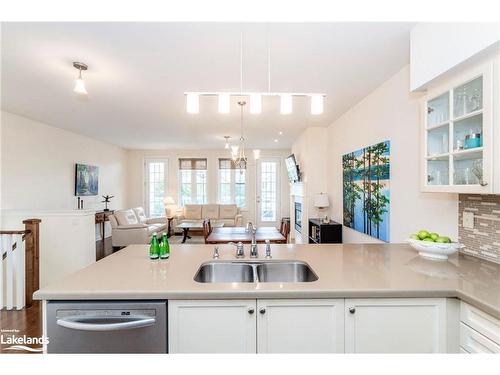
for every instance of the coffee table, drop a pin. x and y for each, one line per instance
(196, 225)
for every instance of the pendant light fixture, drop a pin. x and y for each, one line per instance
(226, 145)
(79, 84)
(193, 103)
(256, 98)
(239, 158)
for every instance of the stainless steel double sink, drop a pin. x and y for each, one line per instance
(272, 271)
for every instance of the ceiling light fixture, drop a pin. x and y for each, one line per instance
(255, 104)
(226, 145)
(224, 103)
(255, 98)
(286, 104)
(79, 84)
(316, 104)
(193, 103)
(239, 157)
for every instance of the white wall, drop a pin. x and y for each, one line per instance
(310, 150)
(136, 160)
(392, 113)
(435, 48)
(38, 166)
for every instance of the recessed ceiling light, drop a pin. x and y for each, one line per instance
(280, 133)
(275, 140)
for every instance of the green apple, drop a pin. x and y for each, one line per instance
(414, 237)
(423, 234)
(443, 239)
(434, 236)
(428, 239)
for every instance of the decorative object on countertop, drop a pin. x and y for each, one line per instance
(86, 180)
(321, 202)
(164, 247)
(154, 248)
(434, 250)
(106, 200)
(366, 192)
(432, 245)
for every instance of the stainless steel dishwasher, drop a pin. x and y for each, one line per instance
(107, 327)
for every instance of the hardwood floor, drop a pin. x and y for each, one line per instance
(19, 323)
(103, 248)
(29, 321)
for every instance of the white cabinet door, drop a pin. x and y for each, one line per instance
(396, 325)
(215, 326)
(300, 326)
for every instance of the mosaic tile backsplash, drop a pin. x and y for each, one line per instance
(484, 240)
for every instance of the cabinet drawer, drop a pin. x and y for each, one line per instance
(473, 342)
(480, 321)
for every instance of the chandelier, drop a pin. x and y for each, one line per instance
(238, 151)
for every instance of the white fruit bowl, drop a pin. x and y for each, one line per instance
(434, 250)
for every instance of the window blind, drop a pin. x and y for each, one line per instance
(229, 164)
(192, 163)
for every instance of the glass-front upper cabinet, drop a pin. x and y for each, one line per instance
(458, 133)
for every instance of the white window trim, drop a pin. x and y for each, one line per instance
(194, 188)
(232, 187)
(145, 179)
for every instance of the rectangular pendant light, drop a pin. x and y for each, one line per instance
(192, 103)
(316, 104)
(286, 104)
(255, 104)
(224, 100)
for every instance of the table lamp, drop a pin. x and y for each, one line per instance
(321, 202)
(169, 206)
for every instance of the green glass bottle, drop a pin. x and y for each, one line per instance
(165, 247)
(154, 248)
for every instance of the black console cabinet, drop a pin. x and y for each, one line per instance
(320, 232)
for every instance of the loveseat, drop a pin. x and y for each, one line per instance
(131, 226)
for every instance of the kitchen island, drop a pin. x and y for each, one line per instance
(353, 279)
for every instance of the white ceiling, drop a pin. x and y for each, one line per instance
(138, 73)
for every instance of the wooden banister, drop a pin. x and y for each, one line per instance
(32, 233)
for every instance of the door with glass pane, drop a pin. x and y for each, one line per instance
(268, 192)
(457, 142)
(155, 183)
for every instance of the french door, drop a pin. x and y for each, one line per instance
(268, 192)
(155, 186)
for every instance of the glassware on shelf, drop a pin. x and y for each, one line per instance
(438, 110)
(438, 141)
(467, 98)
(475, 101)
(437, 172)
(473, 139)
(477, 169)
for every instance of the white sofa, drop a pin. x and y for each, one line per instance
(131, 226)
(228, 214)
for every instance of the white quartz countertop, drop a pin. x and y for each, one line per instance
(344, 271)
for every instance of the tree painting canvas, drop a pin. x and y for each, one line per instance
(86, 180)
(366, 193)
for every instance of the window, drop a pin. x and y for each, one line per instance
(232, 183)
(192, 181)
(269, 190)
(155, 186)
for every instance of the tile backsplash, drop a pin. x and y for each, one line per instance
(483, 240)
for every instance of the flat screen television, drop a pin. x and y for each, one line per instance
(292, 169)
